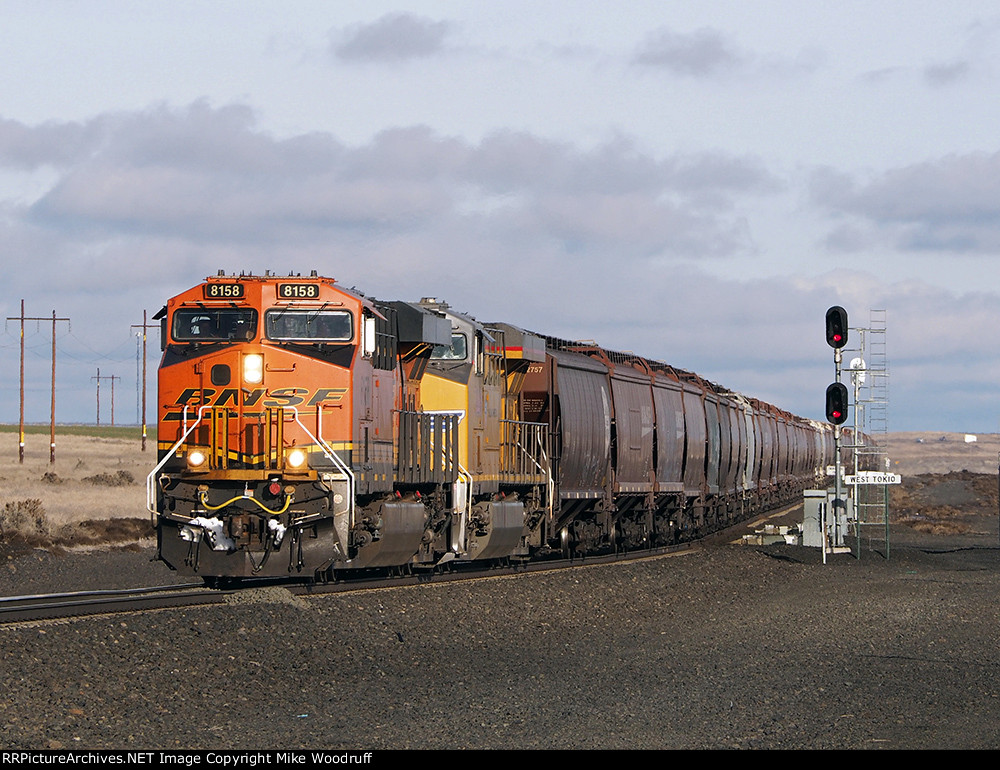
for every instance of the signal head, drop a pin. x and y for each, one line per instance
(836, 327)
(836, 403)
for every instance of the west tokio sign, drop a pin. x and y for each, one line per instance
(873, 477)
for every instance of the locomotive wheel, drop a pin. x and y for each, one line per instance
(564, 542)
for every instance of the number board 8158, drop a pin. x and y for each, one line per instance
(298, 291)
(223, 290)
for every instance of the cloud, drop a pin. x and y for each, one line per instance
(602, 242)
(140, 205)
(700, 53)
(882, 75)
(50, 144)
(393, 37)
(946, 74)
(765, 338)
(203, 174)
(952, 203)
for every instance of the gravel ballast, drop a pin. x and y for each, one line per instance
(723, 647)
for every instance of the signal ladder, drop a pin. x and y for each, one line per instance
(871, 416)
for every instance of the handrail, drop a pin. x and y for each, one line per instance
(331, 455)
(550, 485)
(151, 478)
(459, 542)
(536, 428)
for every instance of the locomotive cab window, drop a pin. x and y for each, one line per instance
(309, 325)
(457, 351)
(214, 324)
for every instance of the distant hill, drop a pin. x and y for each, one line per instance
(935, 452)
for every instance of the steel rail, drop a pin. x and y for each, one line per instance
(15, 609)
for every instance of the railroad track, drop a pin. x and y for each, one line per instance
(20, 609)
(17, 609)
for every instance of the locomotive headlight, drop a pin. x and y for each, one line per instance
(253, 368)
(296, 458)
(196, 458)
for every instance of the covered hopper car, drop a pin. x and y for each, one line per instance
(307, 430)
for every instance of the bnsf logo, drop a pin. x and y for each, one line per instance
(257, 397)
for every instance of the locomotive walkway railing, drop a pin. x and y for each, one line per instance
(524, 457)
(522, 452)
(428, 447)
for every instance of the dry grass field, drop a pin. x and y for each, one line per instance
(95, 491)
(949, 484)
(916, 453)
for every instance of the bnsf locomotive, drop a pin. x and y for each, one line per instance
(305, 429)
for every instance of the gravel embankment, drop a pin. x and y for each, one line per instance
(725, 647)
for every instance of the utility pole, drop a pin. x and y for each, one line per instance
(111, 377)
(144, 327)
(52, 412)
(20, 424)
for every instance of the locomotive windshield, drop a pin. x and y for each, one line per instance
(214, 324)
(309, 325)
(457, 351)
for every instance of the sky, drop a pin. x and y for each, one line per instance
(694, 182)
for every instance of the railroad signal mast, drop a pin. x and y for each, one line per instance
(837, 401)
(868, 505)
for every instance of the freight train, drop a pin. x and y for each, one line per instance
(305, 429)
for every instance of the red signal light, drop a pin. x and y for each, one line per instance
(836, 403)
(836, 327)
